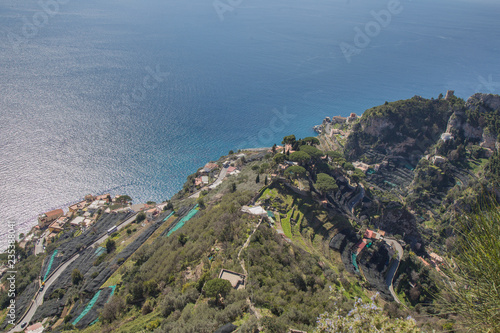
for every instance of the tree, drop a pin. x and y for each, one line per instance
(110, 245)
(289, 140)
(311, 140)
(314, 152)
(299, 157)
(274, 149)
(472, 291)
(183, 239)
(325, 183)
(232, 187)
(357, 175)
(124, 199)
(348, 166)
(265, 181)
(112, 309)
(140, 217)
(279, 158)
(201, 202)
(76, 276)
(217, 288)
(257, 179)
(295, 171)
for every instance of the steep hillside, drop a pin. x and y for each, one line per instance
(261, 240)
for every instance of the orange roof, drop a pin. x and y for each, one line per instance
(369, 233)
(423, 260)
(361, 244)
(231, 169)
(34, 327)
(54, 213)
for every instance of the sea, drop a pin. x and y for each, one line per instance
(130, 97)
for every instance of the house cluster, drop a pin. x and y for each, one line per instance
(80, 214)
(434, 261)
(368, 237)
(340, 120)
(205, 174)
(210, 171)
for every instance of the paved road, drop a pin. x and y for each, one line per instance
(39, 244)
(39, 296)
(38, 300)
(120, 227)
(358, 197)
(394, 267)
(219, 180)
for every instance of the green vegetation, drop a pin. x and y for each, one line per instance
(217, 288)
(325, 183)
(362, 317)
(473, 289)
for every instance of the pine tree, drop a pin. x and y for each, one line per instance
(265, 181)
(257, 180)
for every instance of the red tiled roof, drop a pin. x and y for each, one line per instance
(231, 169)
(54, 213)
(369, 233)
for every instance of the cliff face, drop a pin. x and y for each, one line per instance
(423, 154)
(472, 120)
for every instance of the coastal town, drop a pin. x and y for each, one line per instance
(305, 192)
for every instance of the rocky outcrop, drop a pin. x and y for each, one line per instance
(375, 126)
(485, 102)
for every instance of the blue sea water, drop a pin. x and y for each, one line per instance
(81, 113)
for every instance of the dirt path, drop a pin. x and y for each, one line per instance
(255, 311)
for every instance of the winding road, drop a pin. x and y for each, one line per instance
(38, 299)
(394, 267)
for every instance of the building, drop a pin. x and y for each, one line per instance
(138, 207)
(77, 221)
(204, 179)
(362, 166)
(35, 328)
(198, 181)
(446, 137)
(237, 279)
(209, 167)
(104, 197)
(55, 227)
(47, 218)
(257, 210)
(360, 246)
(78, 206)
(449, 94)
(438, 159)
(339, 120)
(151, 213)
(352, 117)
(370, 234)
(95, 206)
